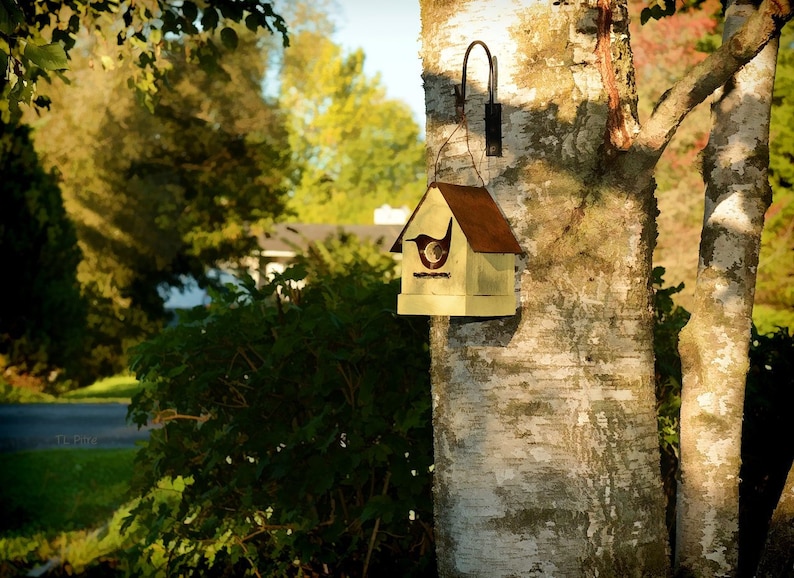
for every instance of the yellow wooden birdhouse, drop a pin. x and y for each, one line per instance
(458, 255)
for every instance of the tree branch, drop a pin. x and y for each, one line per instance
(703, 80)
(171, 414)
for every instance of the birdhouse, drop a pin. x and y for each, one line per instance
(458, 255)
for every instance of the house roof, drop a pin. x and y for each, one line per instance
(478, 215)
(296, 237)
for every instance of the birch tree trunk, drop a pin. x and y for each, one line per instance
(714, 345)
(547, 460)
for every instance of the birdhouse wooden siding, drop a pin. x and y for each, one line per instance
(458, 255)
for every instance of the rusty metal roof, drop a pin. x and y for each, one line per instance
(478, 215)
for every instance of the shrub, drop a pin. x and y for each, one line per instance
(300, 421)
(297, 422)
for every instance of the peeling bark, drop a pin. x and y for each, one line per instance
(617, 134)
(714, 344)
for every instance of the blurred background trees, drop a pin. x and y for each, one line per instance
(353, 148)
(167, 183)
(664, 50)
(37, 38)
(774, 296)
(42, 312)
(157, 198)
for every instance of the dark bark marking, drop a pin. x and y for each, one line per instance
(617, 133)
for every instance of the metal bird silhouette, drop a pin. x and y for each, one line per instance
(433, 252)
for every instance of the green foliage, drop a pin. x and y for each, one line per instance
(42, 314)
(782, 132)
(658, 9)
(774, 290)
(353, 148)
(37, 37)
(12, 394)
(299, 419)
(669, 320)
(767, 319)
(210, 172)
(343, 252)
(159, 197)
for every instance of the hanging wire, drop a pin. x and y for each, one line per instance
(463, 123)
(471, 155)
(438, 156)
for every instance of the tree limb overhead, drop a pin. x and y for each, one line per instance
(704, 79)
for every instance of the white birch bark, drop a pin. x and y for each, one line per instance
(547, 459)
(714, 344)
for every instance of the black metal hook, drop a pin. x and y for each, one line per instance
(493, 110)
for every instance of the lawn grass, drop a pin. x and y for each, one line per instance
(54, 491)
(69, 507)
(63, 504)
(63, 509)
(117, 389)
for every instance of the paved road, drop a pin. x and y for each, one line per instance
(66, 425)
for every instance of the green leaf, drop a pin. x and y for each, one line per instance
(229, 38)
(190, 11)
(47, 56)
(10, 16)
(209, 20)
(378, 507)
(252, 22)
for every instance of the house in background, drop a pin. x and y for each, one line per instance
(278, 248)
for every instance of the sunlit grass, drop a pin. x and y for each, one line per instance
(59, 490)
(10, 394)
(64, 504)
(75, 550)
(118, 388)
(99, 544)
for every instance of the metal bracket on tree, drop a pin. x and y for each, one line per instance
(493, 110)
